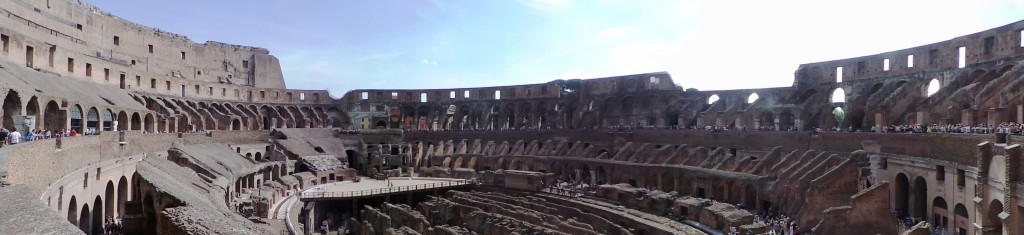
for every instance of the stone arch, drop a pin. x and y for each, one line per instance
(838, 95)
(149, 123)
(933, 87)
(12, 107)
(961, 219)
(73, 211)
(122, 121)
(236, 124)
(920, 198)
(53, 117)
(713, 99)
(940, 212)
(32, 109)
(258, 156)
(901, 195)
(122, 194)
(753, 97)
(85, 219)
(110, 208)
(97, 216)
(136, 121)
(991, 220)
(447, 162)
(76, 118)
(107, 117)
(92, 119)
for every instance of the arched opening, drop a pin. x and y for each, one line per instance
(962, 219)
(85, 219)
(53, 117)
(136, 121)
(940, 213)
(750, 197)
(122, 121)
(108, 120)
(76, 118)
(991, 221)
(109, 195)
(259, 157)
(712, 99)
(12, 107)
(382, 124)
(752, 98)
(148, 123)
(352, 159)
(600, 176)
(839, 95)
(236, 125)
(97, 216)
(73, 211)
(932, 88)
(920, 198)
(902, 198)
(92, 120)
(122, 194)
(32, 109)
(149, 212)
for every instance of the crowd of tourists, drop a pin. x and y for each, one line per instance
(779, 224)
(14, 136)
(112, 226)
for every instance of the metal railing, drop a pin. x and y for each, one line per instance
(381, 191)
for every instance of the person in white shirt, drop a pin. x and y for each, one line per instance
(15, 137)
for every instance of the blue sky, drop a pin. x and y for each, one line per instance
(341, 45)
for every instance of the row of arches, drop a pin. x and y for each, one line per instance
(89, 212)
(52, 115)
(911, 199)
(176, 115)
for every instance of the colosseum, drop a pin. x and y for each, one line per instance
(111, 127)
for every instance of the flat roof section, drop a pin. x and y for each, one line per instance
(368, 187)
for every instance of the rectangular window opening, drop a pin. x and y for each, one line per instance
(910, 61)
(71, 65)
(394, 95)
(106, 74)
(117, 40)
(885, 65)
(168, 85)
(933, 56)
(53, 54)
(365, 95)
(302, 96)
(245, 64)
(7, 42)
(839, 74)
(423, 97)
(197, 89)
(150, 48)
(990, 43)
(961, 57)
(961, 178)
(152, 83)
(465, 94)
(497, 95)
(182, 55)
(138, 80)
(940, 173)
(88, 70)
(29, 56)
(181, 91)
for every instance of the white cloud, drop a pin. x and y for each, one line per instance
(428, 62)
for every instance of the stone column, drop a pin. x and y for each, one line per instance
(966, 117)
(995, 116)
(879, 122)
(922, 118)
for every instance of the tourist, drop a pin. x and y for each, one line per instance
(15, 137)
(73, 133)
(30, 135)
(3, 136)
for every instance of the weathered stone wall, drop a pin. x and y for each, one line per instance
(868, 213)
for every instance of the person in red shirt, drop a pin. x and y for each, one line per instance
(74, 132)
